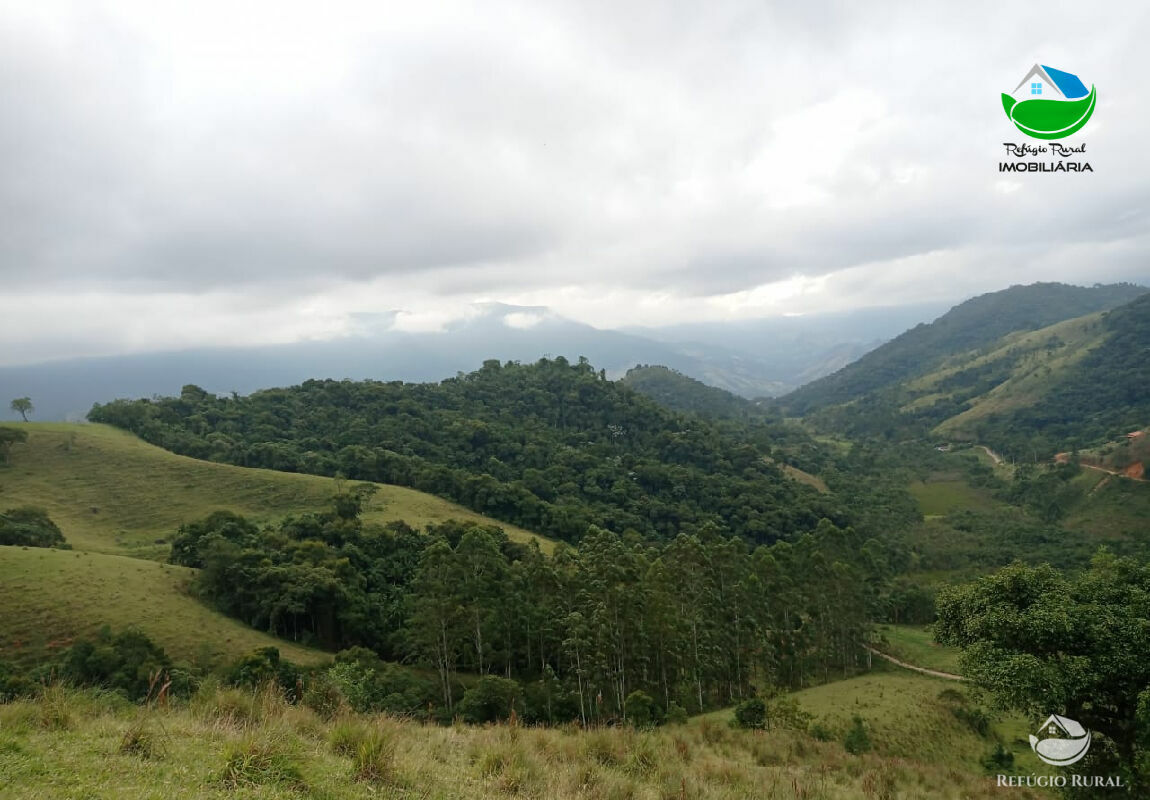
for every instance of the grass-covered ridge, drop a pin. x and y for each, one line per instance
(114, 493)
(227, 743)
(50, 597)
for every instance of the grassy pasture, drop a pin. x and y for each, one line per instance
(50, 597)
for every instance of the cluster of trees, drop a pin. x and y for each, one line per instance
(552, 446)
(1042, 642)
(28, 526)
(696, 622)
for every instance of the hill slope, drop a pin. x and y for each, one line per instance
(977, 323)
(111, 492)
(51, 596)
(552, 446)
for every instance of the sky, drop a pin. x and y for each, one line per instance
(182, 174)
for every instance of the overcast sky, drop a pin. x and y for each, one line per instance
(179, 174)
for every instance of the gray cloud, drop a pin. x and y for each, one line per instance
(613, 161)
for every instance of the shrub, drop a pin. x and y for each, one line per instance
(264, 665)
(785, 712)
(128, 662)
(374, 760)
(29, 527)
(857, 740)
(676, 714)
(821, 731)
(639, 709)
(751, 713)
(345, 736)
(252, 762)
(998, 760)
(491, 698)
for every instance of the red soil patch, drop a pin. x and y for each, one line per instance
(1136, 470)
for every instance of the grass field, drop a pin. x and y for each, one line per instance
(51, 596)
(111, 492)
(939, 497)
(915, 645)
(224, 744)
(908, 716)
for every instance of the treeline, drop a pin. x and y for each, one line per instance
(28, 526)
(696, 622)
(552, 446)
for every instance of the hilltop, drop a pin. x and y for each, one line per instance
(551, 446)
(111, 492)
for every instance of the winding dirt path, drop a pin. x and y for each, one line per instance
(995, 457)
(946, 675)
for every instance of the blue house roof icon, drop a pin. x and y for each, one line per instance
(1066, 83)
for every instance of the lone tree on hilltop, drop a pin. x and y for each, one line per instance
(24, 406)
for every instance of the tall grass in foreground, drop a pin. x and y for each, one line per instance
(226, 743)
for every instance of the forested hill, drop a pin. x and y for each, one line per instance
(679, 392)
(1097, 398)
(551, 446)
(976, 323)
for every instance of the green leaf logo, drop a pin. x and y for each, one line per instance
(1049, 103)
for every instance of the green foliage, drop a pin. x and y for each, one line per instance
(260, 761)
(127, 662)
(676, 714)
(998, 760)
(264, 666)
(856, 741)
(550, 446)
(639, 709)
(29, 527)
(491, 699)
(22, 406)
(374, 759)
(976, 323)
(10, 436)
(1043, 642)
(751, 713)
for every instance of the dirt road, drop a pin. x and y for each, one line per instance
(948, 676)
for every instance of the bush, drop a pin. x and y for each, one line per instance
(676, 714)
(639, 709)
(264, 665)
(785, 712)
(128, 662)
(252, 762)
(821, 731)
(374, 760)
(998, 760)
(751, 714)
(857, 740)
(491, 698)
(29, 527)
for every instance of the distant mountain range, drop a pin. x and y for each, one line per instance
(751, 358)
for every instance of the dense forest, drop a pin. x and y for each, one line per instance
(696, 622)
(552, 446)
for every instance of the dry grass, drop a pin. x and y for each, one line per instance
(290, 752)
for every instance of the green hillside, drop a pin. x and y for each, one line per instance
(550, 446)
(50, 597)
(678, 392)
(979, 322)
(110, 492)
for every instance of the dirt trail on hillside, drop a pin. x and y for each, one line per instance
(1063, 458)
(946, 675)
(995, 457)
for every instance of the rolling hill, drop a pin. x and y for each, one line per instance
(50, 597)
(980, 322)
(111, 492)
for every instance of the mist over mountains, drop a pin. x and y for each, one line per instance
(752, 358)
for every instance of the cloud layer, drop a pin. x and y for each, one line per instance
(186, 174)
